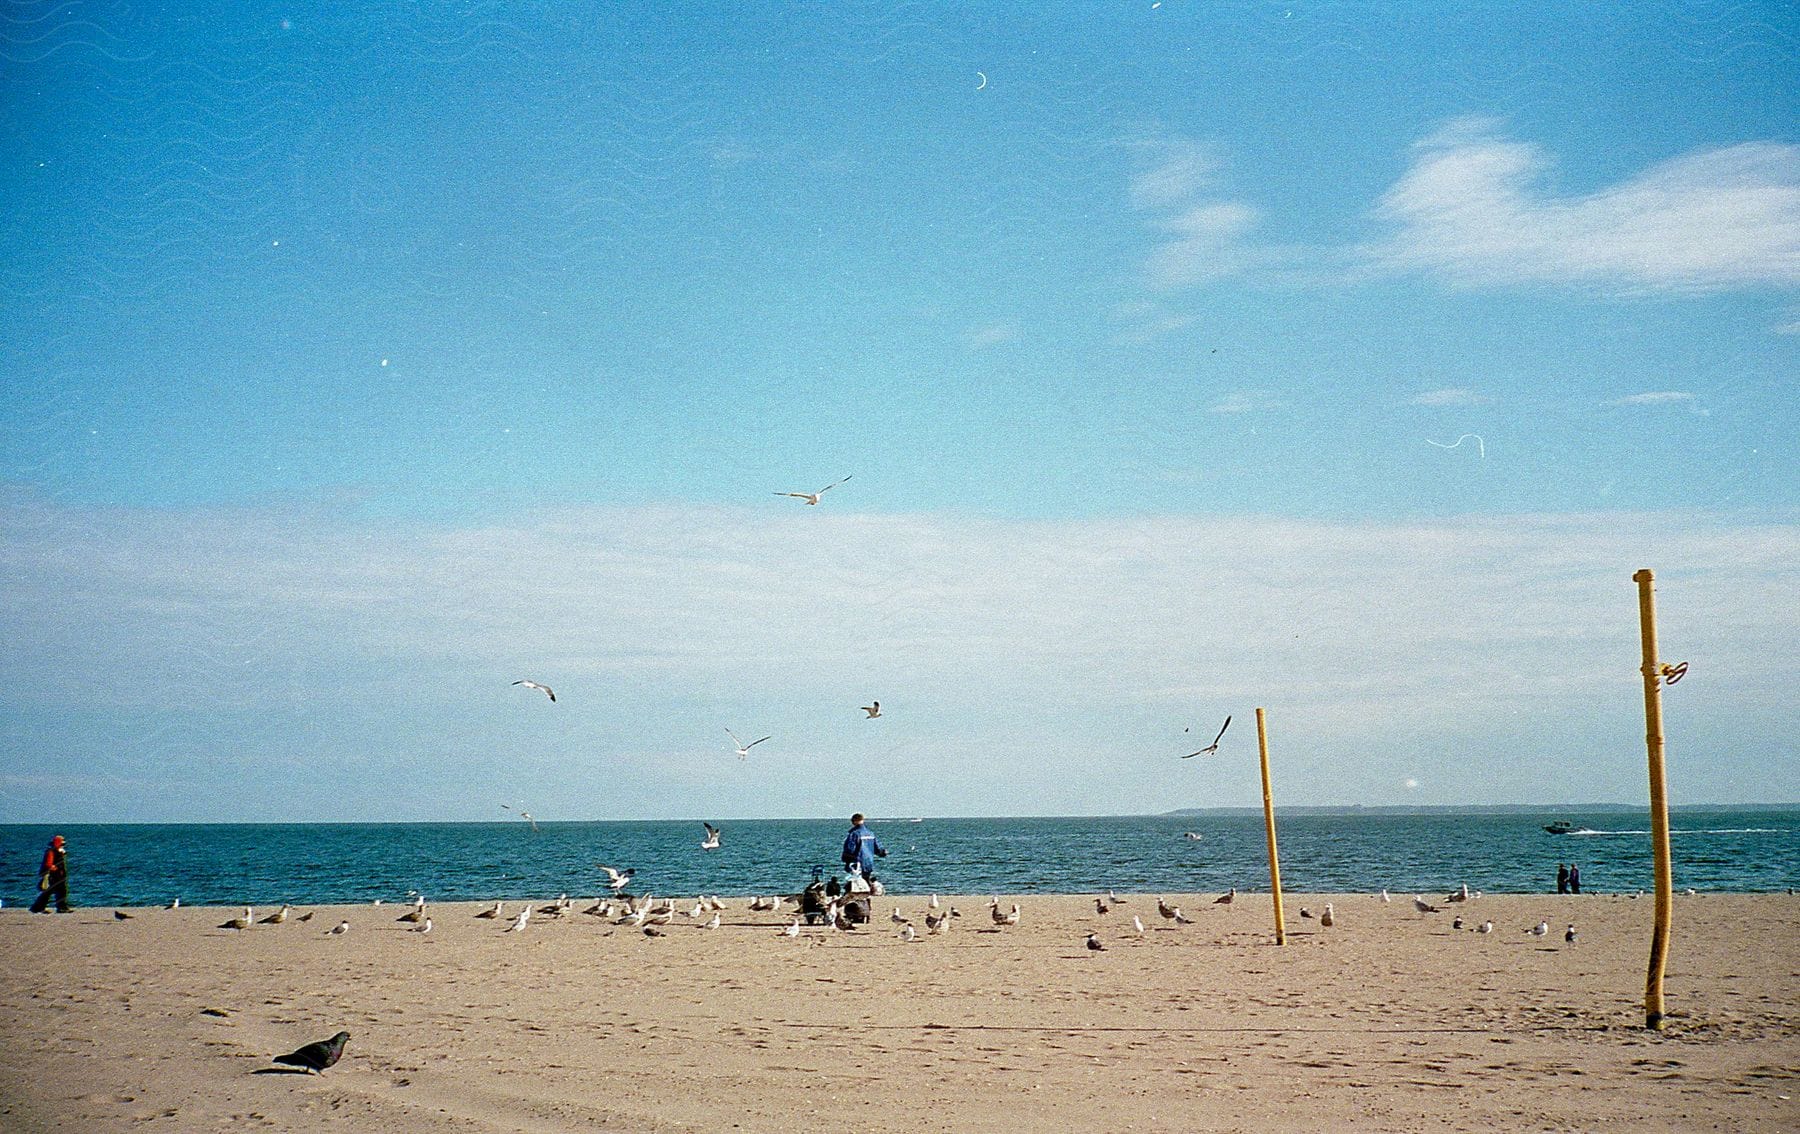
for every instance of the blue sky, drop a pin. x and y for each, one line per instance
(1342, 359)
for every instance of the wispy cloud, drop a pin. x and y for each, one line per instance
(658, 622)
(1248, 401)
(1203, 236)
(1473, 208)
(991, 335)
(1451, 396)
(1663, 398)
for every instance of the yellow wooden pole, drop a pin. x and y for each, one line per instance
(1659, 802)
(1262, 748)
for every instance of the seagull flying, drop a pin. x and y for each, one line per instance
(617, 880)
(712, 837)
(544, 689)
(873, 709)
(1214, 746)
(743, 750)
(523, 814)
(813, 497)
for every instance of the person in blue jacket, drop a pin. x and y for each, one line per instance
(861, 848)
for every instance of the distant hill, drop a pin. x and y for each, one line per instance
(1552, 809)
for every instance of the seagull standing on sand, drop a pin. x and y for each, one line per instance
(1100, 906)
(813, 497)
(544, 689)
(422, 927)
(1226, 898)
(792, 930)
(339, 929)
(519, 922)
(1423, 906)
(1569, 935)
(1326, 919)
(498, 910)
(1540, 929)
(712, 837)
(1137, 923)
(277, 917)
(743, 750)
(242, 921)
(1214, 746)
(1383, 895)
(907, 932)
(1093, 943)
(1486, 927)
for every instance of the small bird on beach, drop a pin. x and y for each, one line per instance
(175, 905)
(240, 922)
(339, 929)
(897, 917)
(1456, 922)
(1384, 896)
(1460, 894)
(713, 923)
(544, 689)
(792, 930)
(936, 923)
(422, 927)
(1093, 943)
(907, 933)
(1226, 898)
(743, 750)
(712, 837)
(933, 903)
(652, 931)
(1214, 746)
(307, 916)
(1305, 913)
(315, 1057)
(519, 921)
(1327, 919)
(1485, 927)
(813, 497)
(873, 709)
(1166, 910)
(1569, 935)
(277, 917)
(1100, 906)
(1114, 899)
(1137, 923)
(1006, 918)
(617, 880)
(1423, 906)
(1540, 929)
(121, 915)
(414, 915)
(498, 909)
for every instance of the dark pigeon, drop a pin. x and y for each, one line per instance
(317, 1056)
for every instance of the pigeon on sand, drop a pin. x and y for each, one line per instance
(315, 1057)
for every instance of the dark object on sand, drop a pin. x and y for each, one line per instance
(317, 1056)
(121, 915)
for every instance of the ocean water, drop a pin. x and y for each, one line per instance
(262, 864)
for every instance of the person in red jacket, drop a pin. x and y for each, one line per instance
(53, 879)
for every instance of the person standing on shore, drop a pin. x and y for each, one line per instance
(861, 849)
(1574, 879)
(1562, 878)
(53, 879)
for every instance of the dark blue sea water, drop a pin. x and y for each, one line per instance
(130, 864)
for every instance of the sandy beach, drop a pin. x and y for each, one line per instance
(1389, 1020)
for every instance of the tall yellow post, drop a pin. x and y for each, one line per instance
(1659, 802)
(1262, 748)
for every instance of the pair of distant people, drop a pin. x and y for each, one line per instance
(1568, 878)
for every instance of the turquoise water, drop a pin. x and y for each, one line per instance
(130, 864)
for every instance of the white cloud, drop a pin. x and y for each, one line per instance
(992, 335)
(1204, 237)
(1452, 396)
(1183, 171)
(1248, 401)
(1654, 398)
(267, 636)
(1473, 209)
